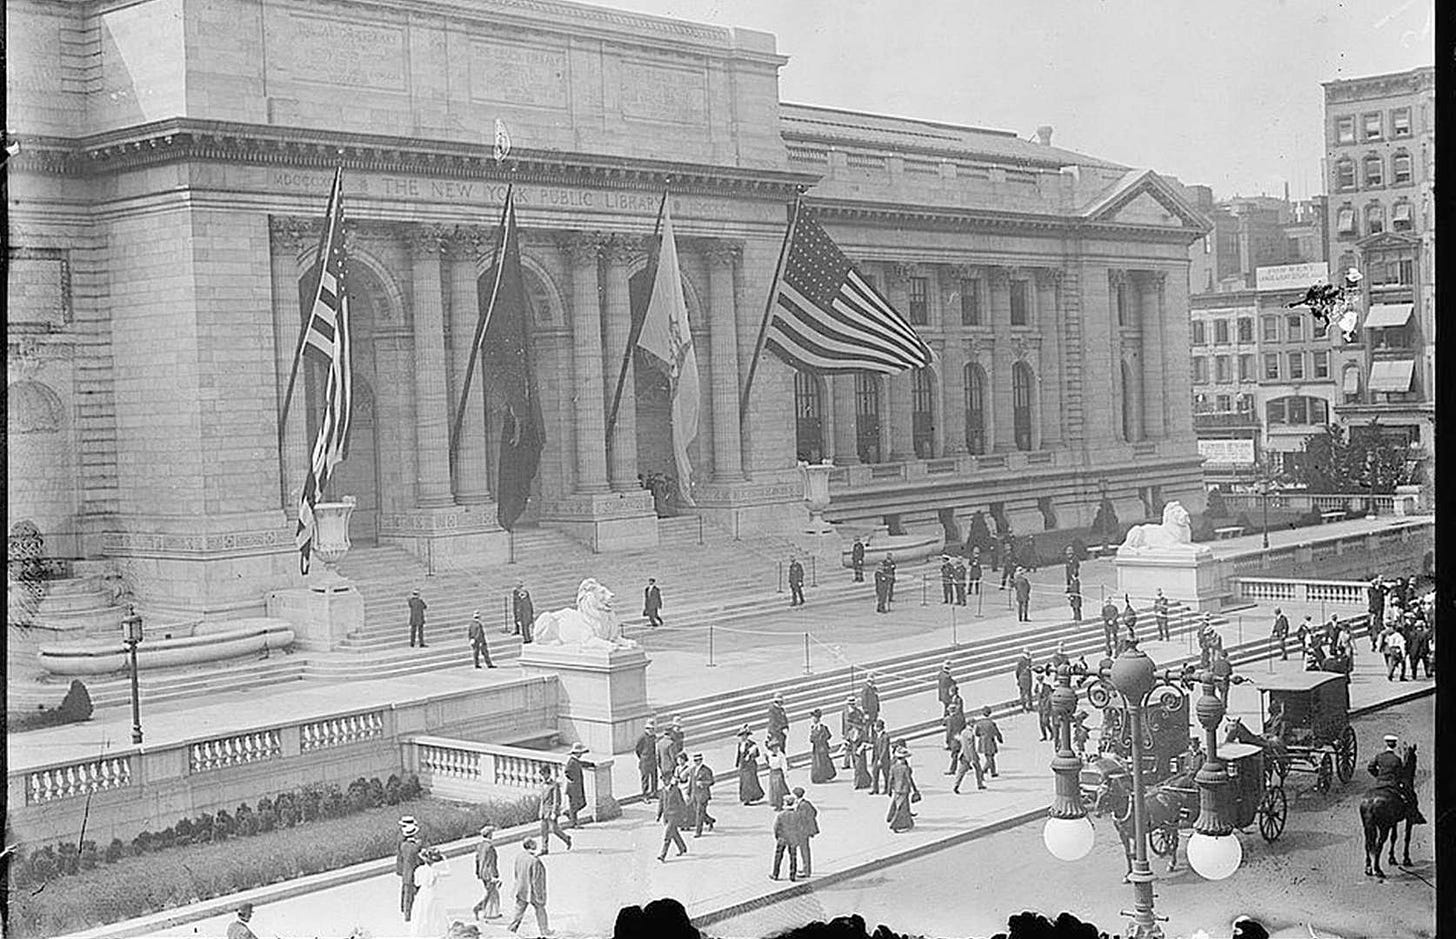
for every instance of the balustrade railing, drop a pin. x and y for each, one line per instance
(340, 731)
(236, 750)
(465, 769)
(1288, 590)
(77, 779)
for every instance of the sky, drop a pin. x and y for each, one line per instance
(1225, 93)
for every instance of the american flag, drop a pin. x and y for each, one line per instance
(826, 318)
(326, 339)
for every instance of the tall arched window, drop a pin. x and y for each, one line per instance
(809, 420)
(975, 381)
(867, 416)
(922, 413)
(1021, 382)
(1127, 404)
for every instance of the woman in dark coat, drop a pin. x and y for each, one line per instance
(778, 768)
(902, 792)
(862, 778)
(822, 768)
(749, 790)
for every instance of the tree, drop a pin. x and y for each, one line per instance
(1332, 462)
(1106, 524)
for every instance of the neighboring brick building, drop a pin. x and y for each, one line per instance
(174, 163)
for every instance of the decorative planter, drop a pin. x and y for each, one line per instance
(816, 494)
(331, 542)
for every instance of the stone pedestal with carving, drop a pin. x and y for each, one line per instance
(602, 695)
(320, 618)
(448, 537)
(605, 521)
(1184, 578)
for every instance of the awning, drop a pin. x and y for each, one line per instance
(1392, 375)
(1388, 314)
(1352, 381)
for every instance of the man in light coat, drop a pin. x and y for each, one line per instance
(530, 887)
(487, 870)
(808, 827)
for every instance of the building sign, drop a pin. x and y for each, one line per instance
(1292, 276)
(1227, 452)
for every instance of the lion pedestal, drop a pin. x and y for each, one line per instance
(1154, 557)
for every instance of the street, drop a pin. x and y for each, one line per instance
(1311, 877)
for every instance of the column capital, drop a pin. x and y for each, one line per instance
(724, 252)
(1151, 280)
(286, 232)
(898, 273)
(999, 276)
(1116, 277)
(464, 243)
(1047, 276)
(426, 239)
(581, 247)
(953, 274)
(622, 249)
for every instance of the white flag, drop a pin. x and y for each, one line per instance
(667, 338)
(502, 141)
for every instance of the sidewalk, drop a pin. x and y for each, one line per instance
(615, 863)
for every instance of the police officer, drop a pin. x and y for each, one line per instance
(1389, 771)
(1109, 627)
(856, 559)
(947, 579)
(959, 576)
(796, 582)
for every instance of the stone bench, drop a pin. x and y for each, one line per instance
(209, 642)
(1231, 531)
(1335, 515)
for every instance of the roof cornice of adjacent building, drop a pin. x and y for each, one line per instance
(191, 139)
(1411, 81)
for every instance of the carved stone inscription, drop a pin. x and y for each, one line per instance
(653, 93)
(336, 52)
(37, 288)
(515, 74)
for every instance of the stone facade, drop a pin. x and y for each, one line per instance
(175, 161)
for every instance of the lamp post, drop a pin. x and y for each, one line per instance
(1213, 851)
(1266, 485)
(132, 636)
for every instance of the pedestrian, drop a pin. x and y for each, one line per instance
(796, 582)
(648, 766)
(1008, 557)
(862, 754)
(945, 683)
(1072, 564)
(881, 756)
(959, 573)
(664, 754)
(1393, 648)
(869, 701)
(652, 603)
(749, 789)
(1160, 615)
(903, 792)
(477, 641)
(954, 721)
(1022, 587)
(417, 607)
(675, 734)
(523, 612)
(1044, 707)
(1023, 680)
(672, 811)
(1418, 648)
(856, 560)
(406, 859)
(1129, 619)
(1080, 733)
(1377, 610)
(575, 785)
(239, 928)
(852, 729)
(1074, 598)
(821, 770)
(988, 739)
(974, 573)
(808, 827)
(550, 811)
(778, 770)
(1304, 634)
(890, 571)
(530, 886)
(1281, 633)
(428, 916)
(1222, 672)
(882, 589)
(947, 580)
(778, 721)
(487, 871)
(1109, 627)
(967, 759)
(1059, 658)
(700, 793)
(786, 838)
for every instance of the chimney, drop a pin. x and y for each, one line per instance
(1044, 135)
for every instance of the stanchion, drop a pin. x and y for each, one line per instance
(806, 653)
(923, 601)
(700, 529)
(511, 546)
(980, 598)
(781, 577)
(711, 663)
(954, 638)
(813, 570)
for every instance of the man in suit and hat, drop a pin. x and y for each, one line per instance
(967, 759)
(530, 886)
(675, 734)
(945, 683)
(672, 811)
(652, 603)
(796, 582)
(1160, 615)
(959, 574)
(700, 792)
(417, 607)
(575, 784)
(947, 580)
(955, 722)
(882, 589)
(1023, 680)
(778, 720)
(550, 812)
(1389, 771)
(1022, 586)
(889, 565)
(477, 641)
(974, 573)
(856, 560)
(406, 859)
(808, 828)
(487, 870)
(239, 928)
(988, 739)
(523, 612)
(1109, 627)
(647, 762)
(666, 753)
(869, 701)
(853, 727)
(786, 838)
(881, 756)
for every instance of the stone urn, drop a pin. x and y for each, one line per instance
(331, 542)
(816, 494)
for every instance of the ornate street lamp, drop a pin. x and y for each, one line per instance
(1067, 833)
(132, 635)
(1214, 851)
(1266, 486)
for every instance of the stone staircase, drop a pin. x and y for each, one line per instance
(76, 607)
(168, 685)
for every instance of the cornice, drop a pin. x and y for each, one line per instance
(848, 141)
(180, 139)
(896, 216)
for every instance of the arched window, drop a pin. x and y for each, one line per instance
(922, 413)
(1374, 171)
(1127, 404)
(1344, 174)
(1021, 383)
(1400, 168)
(867, 416)
(809, 421)
(975, 381)
(1374, 219)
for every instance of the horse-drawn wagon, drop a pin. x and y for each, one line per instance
(1308, 715)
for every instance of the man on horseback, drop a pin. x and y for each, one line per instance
(1390, 774)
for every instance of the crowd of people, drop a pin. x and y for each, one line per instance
(1402, 626)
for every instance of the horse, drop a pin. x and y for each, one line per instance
(1381, 810)
(1272, 744)
(1165, 806)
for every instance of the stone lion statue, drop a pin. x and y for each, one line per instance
(592, 625)
(1173, 536)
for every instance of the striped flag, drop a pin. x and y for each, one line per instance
(326, 339)
(825, 317)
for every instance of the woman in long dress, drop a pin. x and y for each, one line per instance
(778, 768)
(749, 790)
(862, 778)
(427, 915)
(903, 792)
(822, 769)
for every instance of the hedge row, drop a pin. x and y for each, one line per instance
(75, 707)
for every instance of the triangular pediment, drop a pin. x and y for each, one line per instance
(1143, 198)
(1388, 240)
(1145, 210)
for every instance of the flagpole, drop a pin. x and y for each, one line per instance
(768, 305)
(635, 333)
(337, 187)
(480, 328)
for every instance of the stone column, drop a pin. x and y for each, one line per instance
(1003, 421)
(952, 425)
(431, 408)
(846, 444)
(723, 361)
(589, 407)
(1150, 313)
(472, 464)
(1172, 294)
(287, 321)
(622, 449)
(900, 419)
(1049, 319)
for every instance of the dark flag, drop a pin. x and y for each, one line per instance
(501, 338)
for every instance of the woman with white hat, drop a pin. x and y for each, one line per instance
(749, 789)
(778, 768)
(427, 917)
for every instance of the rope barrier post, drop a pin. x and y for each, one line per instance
(511, 545)
(813, 570)
(954, 638)
(923, 601)
(806, 653)
(700, 529)
(711, 663)
(781, 577)
(980, 598)
(1241, 629)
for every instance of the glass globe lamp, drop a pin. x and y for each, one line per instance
(1068, 839)
(1214, 857)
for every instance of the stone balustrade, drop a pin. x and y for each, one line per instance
(471, 771)
(1400, 547)
(1275, 589)
(66, 781)
(1305, 502)
(339, 731)
(235, 750)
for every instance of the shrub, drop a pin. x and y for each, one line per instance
(376, 792)
(20, 876)
(203, 828)
(411, 788)
(1217, 508)
(43, 865)
(288, 816)
(89, 856)
(143, 842)
(1105, 525)
(76, 705)
(391, 790)
(225, 826)
(115, 851)
(182, 830)
(1079, 549)
(68, 858)
(1312, 517)
(1244, 522)
(167, 837)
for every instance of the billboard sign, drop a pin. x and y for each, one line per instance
(1292, 276)
(1227, 452)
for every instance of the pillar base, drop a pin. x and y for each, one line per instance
(747, 507)
(605, 522)
(453, 536)
(602, 695)
(321, 619)
(1191, 578)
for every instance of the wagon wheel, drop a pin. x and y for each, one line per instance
(1325, 775)
(1163, 840)
(1272, 811)
(1346, 753)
